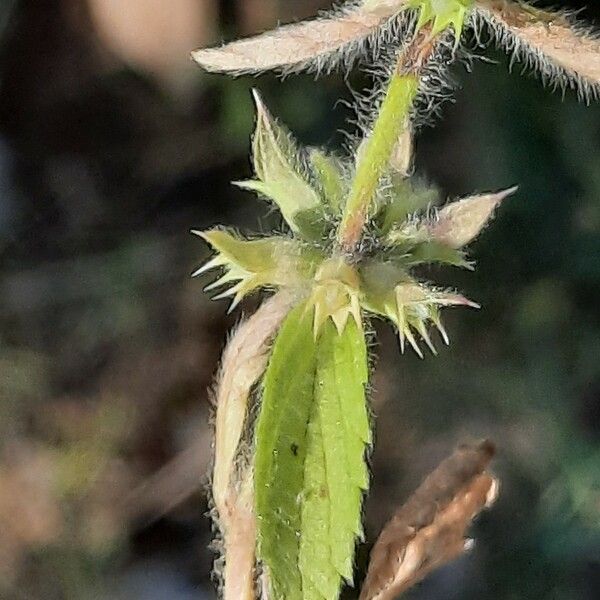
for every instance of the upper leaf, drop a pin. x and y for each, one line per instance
(281, 175)
(318, 44)
(551, 42)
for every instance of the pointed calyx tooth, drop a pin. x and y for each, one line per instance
(389, 291)
(213, 263)
(335, 295)
(279, 170)
(416, 307)
(405, 333)
(549, 41)
(460, 222)
(437, 321)
(302, 45)
(413, 311)
(451, 299)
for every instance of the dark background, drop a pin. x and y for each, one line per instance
(112, 146)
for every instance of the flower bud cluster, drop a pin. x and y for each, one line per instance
(405, 231)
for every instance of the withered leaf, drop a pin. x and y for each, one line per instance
(460, 222)
(429, 530)
(244, 360)
(308, 44)
(548, 41)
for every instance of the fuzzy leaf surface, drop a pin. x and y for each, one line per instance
(280, 173)
(314, 44)
(402, 197)
(553, 43)
(460, 222)
(310, 471)
(329, 174)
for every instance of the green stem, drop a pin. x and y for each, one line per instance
(390, 123)
(392, 120)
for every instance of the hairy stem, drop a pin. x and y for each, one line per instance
(240, 542)
(392, 121)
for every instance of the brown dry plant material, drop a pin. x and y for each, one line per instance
(244, 361)
(429, 530)
(460, 222)
(298, 44)
(546, 40)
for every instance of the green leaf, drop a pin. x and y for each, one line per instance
(281, 445)
(315, 225)
(310, 471)
(279, 170)
(408, 251)
(435, 252)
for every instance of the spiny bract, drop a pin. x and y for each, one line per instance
(310, 187)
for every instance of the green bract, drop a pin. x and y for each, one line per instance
(310, 188)
(282, 177)
(264, 262)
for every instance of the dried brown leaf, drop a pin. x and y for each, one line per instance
(308, 44)
(244, 361)
(429, 530)
(550, 42)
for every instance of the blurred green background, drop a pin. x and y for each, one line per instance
(112, 146)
